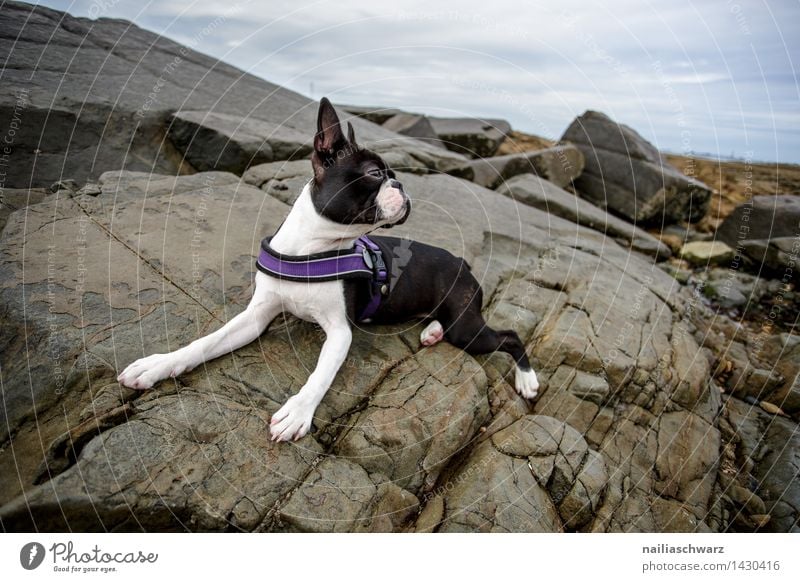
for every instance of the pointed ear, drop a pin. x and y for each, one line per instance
(351, 134)
(329, 132)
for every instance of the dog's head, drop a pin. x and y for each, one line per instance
(352, 185)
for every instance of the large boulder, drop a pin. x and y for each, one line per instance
(766, 231)
(605, 329)
(626, 174)
(106, 98)
(544, 195)
(475, 138)
(559, 164)
(762, 218)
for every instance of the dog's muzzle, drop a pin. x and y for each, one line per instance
(393, 203)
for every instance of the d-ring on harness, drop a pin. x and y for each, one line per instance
(363, 261)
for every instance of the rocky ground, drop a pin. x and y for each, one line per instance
(659, 410)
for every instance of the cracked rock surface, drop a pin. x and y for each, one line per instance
(624, 436)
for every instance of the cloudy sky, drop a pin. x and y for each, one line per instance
(702, 76)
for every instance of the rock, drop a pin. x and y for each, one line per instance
(560, 165)
(588, 387)
(420, 416)
(783, 353)
(774, 444)
(397, 415)
(542, 194)
(281, 180)
(625, 174)
(339, 496)
(417, 126)
(536, 475)
(105, 100)
(13, 199)
(771, 408)
(624, 437)
(475, 138)
(210, 141)
(677, 269)
(761, 218)
(732, 289)
(777, 255)
(707, 253)
(66, 184)
(377, 115)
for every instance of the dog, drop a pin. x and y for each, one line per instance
(352, 192)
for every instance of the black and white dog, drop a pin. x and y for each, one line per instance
(352, 193)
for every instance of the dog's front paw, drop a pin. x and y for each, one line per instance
(145, 372)
(526, 383)
(293, 420)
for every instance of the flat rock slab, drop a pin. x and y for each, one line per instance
(475, 138)
(560, 165)
(211, 141)
(544, 195)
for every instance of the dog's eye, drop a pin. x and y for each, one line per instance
(375, 172)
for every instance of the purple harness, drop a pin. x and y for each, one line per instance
(363, 261)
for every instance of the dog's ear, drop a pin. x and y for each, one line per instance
(329, 136)
(351, 134)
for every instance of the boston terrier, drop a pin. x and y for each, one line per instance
(351, 194)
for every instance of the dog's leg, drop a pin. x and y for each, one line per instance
(239, 331)
(464, 327)
(294, 418)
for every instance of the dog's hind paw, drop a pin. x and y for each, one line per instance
(432, 334)
(526, 383)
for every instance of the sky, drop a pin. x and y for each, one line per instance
(692, 76)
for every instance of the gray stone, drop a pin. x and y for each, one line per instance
(417, 126)
(101, 102)
(773, 445)
(475, 138)
(560, 165)
(14, 199)
(706, 253)
(377, 115)
(762, 218)
(542, 194)
(537, 475)
(281, 180)
(211, 141)
(777, 256)
(627, 175)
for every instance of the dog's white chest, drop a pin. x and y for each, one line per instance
(308, 301)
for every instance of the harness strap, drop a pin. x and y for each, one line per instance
(363, 261)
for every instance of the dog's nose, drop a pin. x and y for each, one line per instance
(396, 184)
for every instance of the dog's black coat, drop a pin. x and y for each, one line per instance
(430, 282)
